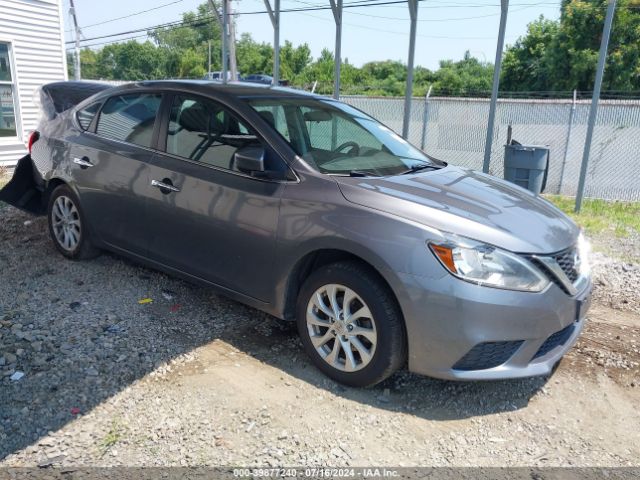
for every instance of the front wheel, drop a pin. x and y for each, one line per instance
(351, 325)
(67, 225)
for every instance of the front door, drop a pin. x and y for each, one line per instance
(110, 169)
(206, 217)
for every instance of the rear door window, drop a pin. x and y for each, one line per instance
(86, 115)
(130, 118)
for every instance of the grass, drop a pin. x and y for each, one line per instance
(113, 436)
(600, 216)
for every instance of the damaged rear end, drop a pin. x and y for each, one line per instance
(28, 186)
(23, 190)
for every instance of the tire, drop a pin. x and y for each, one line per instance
(374, 335)
(64, 213)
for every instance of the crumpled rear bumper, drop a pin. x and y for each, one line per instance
(23, 191)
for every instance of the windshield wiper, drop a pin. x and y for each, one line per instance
(416, 167)
(361, 173)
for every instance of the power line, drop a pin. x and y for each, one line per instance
(394, 32)
(178, 23)
(110, 41)
(182, 23)
(354, 4)
(130, 15)
(385, 17)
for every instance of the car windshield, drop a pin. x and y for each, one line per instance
(335, 138)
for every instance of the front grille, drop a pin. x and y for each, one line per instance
(555, 340)
(550, 275)
(567, 262)
(487, 355)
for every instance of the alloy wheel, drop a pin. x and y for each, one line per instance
(341, 327)
(65, 220)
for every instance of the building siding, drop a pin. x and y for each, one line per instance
(35, 30)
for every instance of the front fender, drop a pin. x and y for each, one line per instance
(291, 263)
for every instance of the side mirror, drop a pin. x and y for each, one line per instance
(250, 159)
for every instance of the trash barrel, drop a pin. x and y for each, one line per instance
(527, 166)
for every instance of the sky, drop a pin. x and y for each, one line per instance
(446, 28)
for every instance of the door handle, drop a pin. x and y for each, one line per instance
(83, 162)
(163, 186)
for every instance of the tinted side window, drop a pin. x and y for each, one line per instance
(203, 131)
(129, 118)
(275, 116)
(85, 116)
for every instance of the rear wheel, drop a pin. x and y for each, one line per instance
(67, 226)
(350, 324)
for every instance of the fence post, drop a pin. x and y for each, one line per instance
(504, 9)
(593, 110)
(425, 119)
(413, 15)
(566, 145)
(336, 7)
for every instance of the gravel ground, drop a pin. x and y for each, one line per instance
(196, 379)
(616, 268)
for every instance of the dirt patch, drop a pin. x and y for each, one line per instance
(609, 345)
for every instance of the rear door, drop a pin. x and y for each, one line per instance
(215, 222)
(110, 166)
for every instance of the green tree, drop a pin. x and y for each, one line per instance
(293, 60)
(575, 49)
(130, 61)
(186, 47)
(88, 64)
(468, 76)
(562, 55)
(253, 57)
(526, 65)
(321, 71)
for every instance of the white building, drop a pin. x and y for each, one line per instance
(32, 53)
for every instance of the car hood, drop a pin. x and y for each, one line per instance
(468, 203)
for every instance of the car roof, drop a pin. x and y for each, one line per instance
(235, 89)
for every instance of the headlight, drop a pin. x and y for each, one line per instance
(584, 251)
(488, 265)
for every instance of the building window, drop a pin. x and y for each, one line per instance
(7, 89)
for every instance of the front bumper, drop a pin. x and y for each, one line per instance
(451, 324)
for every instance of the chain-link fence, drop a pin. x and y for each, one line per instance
(455, 129)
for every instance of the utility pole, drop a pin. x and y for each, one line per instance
(76, 65)
(233, 66)
(593, 111)
(221, 20)
(274, 16)
(225, 37)
(209, 69)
